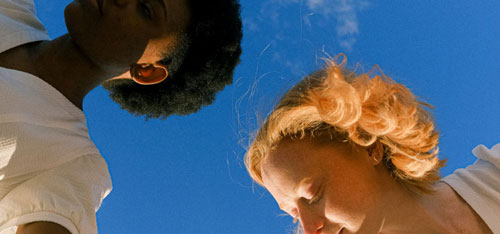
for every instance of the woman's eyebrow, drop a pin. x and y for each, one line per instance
(307, 181)
(303, 188)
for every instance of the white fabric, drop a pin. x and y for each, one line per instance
(479, 185)
(50, 170)
(19, 24)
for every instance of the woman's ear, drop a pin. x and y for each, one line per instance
(376, 152)
(148, 74)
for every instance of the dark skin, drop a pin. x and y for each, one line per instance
(104, 42)
(41, 228)
(105, 39)
(34, 58)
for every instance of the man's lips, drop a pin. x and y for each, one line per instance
(94, 4)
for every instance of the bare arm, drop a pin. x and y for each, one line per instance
(42, 228)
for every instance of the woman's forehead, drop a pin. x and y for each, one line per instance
(300, 153)
(287, 158)
(290, 164)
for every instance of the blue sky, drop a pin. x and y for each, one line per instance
(186, 175)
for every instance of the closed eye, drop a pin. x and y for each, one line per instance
(317, 196)
(146, 10)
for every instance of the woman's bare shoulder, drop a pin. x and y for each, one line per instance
(467, 220)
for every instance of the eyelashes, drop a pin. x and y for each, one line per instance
(146, 10)
(293, 216)
(306, 201)
(317, 196)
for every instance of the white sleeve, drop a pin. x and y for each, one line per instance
(19, 24)
(491, 155)
(68, 195)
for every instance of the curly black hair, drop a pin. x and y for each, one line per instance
(213, 52)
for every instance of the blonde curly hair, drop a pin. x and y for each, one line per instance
(364, 110)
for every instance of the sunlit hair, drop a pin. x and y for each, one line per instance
(364, 109)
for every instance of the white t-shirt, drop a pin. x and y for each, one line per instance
(50, 170)
(479, 185)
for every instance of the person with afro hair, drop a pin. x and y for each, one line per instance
(200, 67)
(156, 58)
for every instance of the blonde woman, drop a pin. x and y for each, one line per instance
(350, 153)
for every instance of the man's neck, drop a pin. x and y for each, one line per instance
(60, 63)
(63, 65)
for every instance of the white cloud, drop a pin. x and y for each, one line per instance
(313, 4)
(343, 12)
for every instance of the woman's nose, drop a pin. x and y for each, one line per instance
(311, 220)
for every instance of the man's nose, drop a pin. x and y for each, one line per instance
(311, 220)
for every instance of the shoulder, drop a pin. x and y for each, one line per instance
(479, 185)
(463, 217)
(19, 58)
(19, 24)
(19, 5)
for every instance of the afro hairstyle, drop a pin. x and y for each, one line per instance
(208, 63)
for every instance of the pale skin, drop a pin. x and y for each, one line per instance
(341, 188)
(106, 38)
